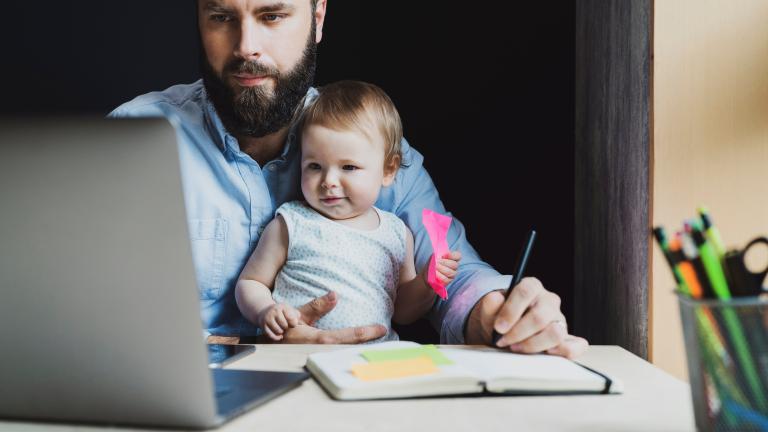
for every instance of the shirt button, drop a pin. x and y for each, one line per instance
(272, 167)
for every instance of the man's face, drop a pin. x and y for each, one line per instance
(258, 59)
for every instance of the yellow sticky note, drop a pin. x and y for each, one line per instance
(394, 369)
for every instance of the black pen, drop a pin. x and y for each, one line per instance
(522, 260)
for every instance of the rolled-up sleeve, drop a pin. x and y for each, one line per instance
(414, 191)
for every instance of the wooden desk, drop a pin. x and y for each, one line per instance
(653, 401)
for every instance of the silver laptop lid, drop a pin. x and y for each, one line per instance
(99, 318)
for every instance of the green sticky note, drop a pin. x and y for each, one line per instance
(430, 351)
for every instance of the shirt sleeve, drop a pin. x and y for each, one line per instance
(413, 191)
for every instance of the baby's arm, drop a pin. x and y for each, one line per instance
(252, 292)
(414, 295)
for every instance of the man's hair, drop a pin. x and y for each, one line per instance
(358, 106)
(313, 3)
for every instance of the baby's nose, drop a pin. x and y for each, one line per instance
(329, 184)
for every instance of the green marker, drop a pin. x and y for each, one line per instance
(713, 234)
(712, 265)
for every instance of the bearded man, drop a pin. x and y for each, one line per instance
(239, 155)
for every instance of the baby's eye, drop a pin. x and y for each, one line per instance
(313, 166)
(349, 168)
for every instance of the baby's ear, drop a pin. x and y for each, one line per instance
(390, 170)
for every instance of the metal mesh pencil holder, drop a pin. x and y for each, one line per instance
(727, 350)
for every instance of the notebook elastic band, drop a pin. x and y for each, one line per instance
(608, 382)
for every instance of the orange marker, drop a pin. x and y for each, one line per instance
(686, 270)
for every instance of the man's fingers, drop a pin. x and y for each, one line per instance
(572, 347)
(481, 319)
(552, 336)
(523, 295)
(293, 317)
(351, 335)
(317, 308)
(301, 334)
(536, 319)
(309, 335)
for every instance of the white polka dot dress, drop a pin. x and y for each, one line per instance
(363, 267)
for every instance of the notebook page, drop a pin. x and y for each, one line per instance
(530, 367)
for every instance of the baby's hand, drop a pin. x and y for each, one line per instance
(447, 267)
(278, 318)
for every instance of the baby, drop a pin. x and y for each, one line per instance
(336, 240)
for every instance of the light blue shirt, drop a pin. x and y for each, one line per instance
(230, 199)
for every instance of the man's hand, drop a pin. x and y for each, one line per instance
(304, 333)
(529, 321)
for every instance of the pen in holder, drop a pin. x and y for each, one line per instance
(727, 350)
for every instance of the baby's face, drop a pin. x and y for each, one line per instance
(342, 172)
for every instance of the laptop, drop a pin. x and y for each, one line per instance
(99, 313)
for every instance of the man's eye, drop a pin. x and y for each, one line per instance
(313, 166)
(349, 168)
(221, 18)
(272, 17)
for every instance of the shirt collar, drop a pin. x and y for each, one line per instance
(224, 139)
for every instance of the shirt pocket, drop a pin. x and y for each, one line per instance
(209, 241)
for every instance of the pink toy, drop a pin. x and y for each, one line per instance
(437, 228)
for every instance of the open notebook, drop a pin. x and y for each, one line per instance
(407, 369)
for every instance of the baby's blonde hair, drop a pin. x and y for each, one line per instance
(360, 106)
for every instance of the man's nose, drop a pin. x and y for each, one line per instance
(250, 45)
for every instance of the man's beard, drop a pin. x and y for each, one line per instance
(253, 112)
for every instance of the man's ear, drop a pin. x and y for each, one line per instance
(319, 17)
(390, 170)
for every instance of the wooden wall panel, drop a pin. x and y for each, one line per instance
(612, 172)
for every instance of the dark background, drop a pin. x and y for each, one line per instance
(485, 92)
